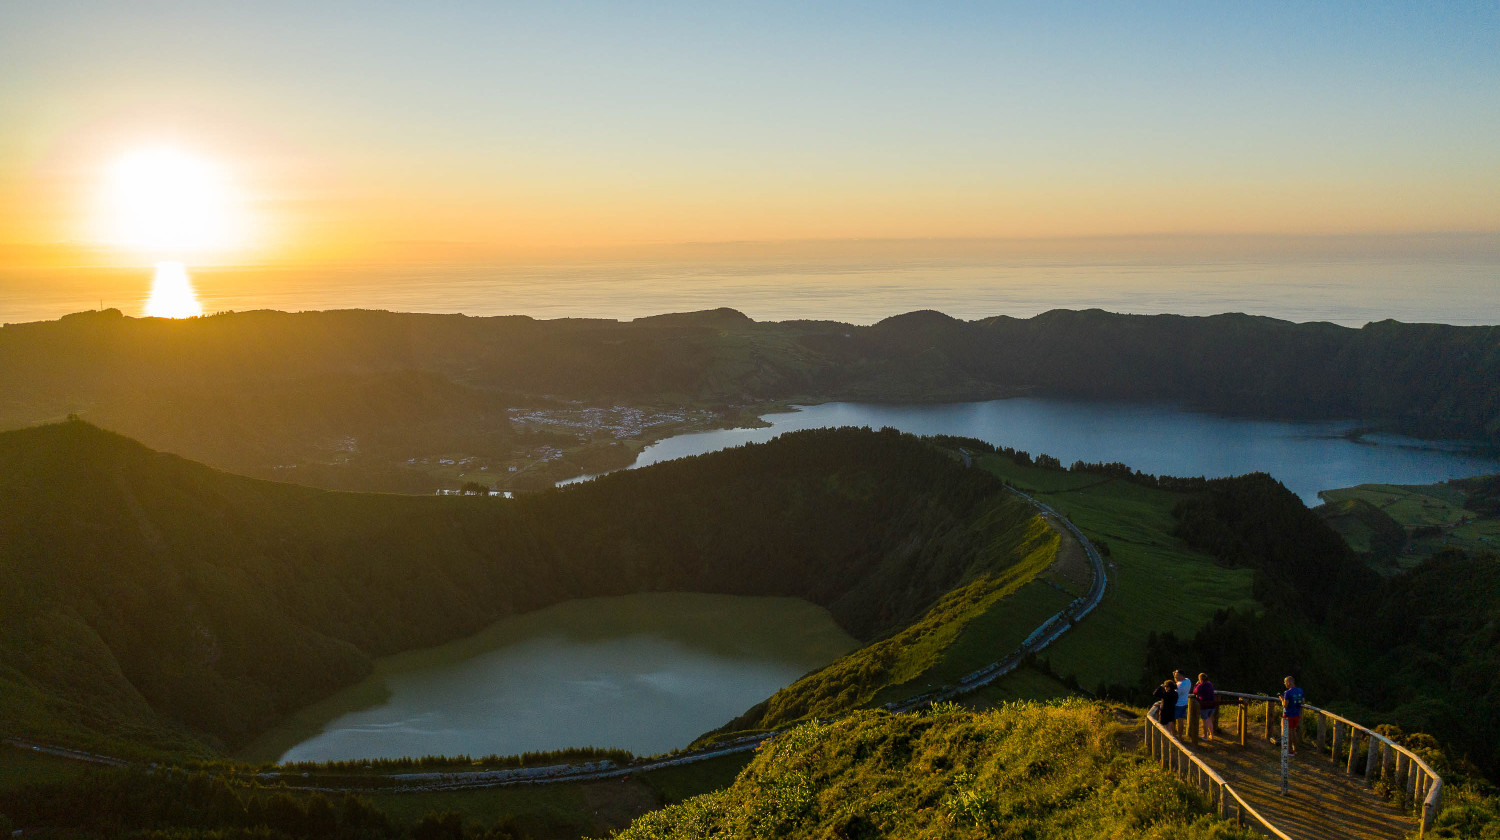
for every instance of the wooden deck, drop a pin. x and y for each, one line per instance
(1322, 800)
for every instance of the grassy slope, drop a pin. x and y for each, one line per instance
(1154, 583)
(1366, 528)
(898, 666)
(1024, 770)
(988, 636)
(1413, 506)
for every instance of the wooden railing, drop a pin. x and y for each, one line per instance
(1417, 786)
(1176, 757)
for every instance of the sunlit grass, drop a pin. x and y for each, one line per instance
(1155, 583)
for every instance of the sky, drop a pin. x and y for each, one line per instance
(363, 130)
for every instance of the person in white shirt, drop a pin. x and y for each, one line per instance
(1184, 691)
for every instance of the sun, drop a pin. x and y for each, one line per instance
(169, 203)
(172, 294)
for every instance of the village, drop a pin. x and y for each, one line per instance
(558, 443)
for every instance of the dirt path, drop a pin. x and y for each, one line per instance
(1071, 570)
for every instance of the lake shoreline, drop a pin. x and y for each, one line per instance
(656, 663)
(1347, 451)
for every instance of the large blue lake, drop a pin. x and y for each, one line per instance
(1306, 457)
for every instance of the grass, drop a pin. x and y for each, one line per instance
(674, 784)
(1415, 506)
(1155, 584)
(545, 811)
(20, 766)
(1021, 684)
(1410, 505)
(1351, 518)
(985, 638)
(1022, 548)
(570, 809)
(1022, 770)
(1475, 536)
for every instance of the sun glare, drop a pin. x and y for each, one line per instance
(169, 202)
(172, 294)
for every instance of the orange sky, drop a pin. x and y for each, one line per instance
(482, 131)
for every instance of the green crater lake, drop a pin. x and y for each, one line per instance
(647, 673)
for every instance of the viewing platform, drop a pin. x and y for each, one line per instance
(1346, 781)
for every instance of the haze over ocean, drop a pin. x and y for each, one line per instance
(1453, 288)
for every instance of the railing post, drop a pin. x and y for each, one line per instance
(1322, 731)
(1244, 720)
(1414, 781)
(1372, 758)
(1286, 742)
(1353, 750)
(1338, 741)
(1193, 721)
(1403, 768)
(1270, 727)
(1431, 805)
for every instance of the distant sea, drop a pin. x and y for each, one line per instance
(1344, 290)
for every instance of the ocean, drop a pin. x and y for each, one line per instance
(1348, 290)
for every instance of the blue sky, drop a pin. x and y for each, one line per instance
(615, 123)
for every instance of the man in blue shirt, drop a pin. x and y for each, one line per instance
(1184, 690)
(1291, 711)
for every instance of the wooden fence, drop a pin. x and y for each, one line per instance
(1418, 787)
(1176, 757)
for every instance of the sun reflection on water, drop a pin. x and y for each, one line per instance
(172, 294)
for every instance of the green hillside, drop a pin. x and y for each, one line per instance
(1401, 525)
(1024, 770)
(148, 600)
(1366, 528)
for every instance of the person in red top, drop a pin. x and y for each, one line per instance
(1291, 710)
(1208, 705)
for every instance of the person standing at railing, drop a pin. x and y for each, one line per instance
(1291, 711)
(1166, 701)
(1184, 691)
(1208, 706)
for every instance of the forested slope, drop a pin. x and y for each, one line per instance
(1419, 649)
(143, 595)
(194, 386)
